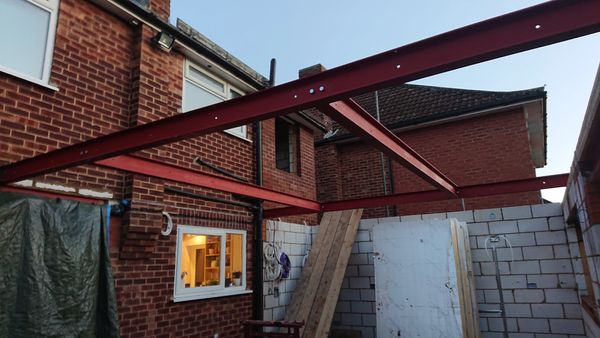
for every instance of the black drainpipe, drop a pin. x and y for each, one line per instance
(257, 275)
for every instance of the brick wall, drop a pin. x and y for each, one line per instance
(541, 286)
(486, 149)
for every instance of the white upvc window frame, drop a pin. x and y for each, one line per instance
(182, 294)
(241, 131)
(52, 6)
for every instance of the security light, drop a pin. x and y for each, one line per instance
(164, 41)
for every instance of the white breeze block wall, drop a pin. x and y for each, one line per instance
(541, 286)
(294, 240)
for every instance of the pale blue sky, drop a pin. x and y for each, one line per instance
(302, 33)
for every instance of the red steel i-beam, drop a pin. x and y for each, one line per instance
(478, 190)
(176, 174)
(522, 30)
(361, 123)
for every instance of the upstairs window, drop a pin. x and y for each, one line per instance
(211, 262)
(286, 146)
(201, 89)
(27, 29)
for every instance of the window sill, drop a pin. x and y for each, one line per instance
(243, 138)
(212, 294)
(27, 78)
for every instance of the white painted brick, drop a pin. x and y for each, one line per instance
(434, 216)
(486, 282)
(367, 295)
(365, 247)
(478, 229)
(525, 239)
(359, 282)
(517, 310)
(529, 296)
(561, 296)
(556, 266)
(568, 326)
(538, 252)
(533, 224)
(534, 325)
(462, 216)
(393, 219)
(550, 237)
(363, 236)
(547, 310)
(567, 281)
(361, 307)
(543, 281)
(519, 212)
(556, 223)
(513, 282)
(546, 210)
(410, 218)
(562, 251)
(366, 270)
(486, 215)
(489, 268)
(503, 227)
(525, 267)
(572, 310)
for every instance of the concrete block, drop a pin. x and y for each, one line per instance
(479, 295)
(550, 237)
(509, 254)
(556, 223)
(476, 269)
(571, 235)
(511, 324)
(367, 223)
(367, 332)
(567, 281)
(489, 268)
(567, 326)
(351, 319)
(268, 314)
(521, 335)
(352, 271)
(491, 296)
(366, 270)
(486, 282)
(278, 313)
(359, 282)
(282, 226)
(484, 306)
(573, 251)
(354, 248)
(551, 335)
(349, 294)
(572, 310)
(524, 239)
(367, 295)
(534, 325)
(562, 251)
(462, 216)
(556, 266)
(483, 324)
(271, 302)
(365, 247)
(513, 282)
(369, 320)
(285, 298)
(473, 242)
(434, 216)
(357, 259)
(410, 218)
(525, 267)
(393, 219)
(561, 296)
(533, 224)
(496, 324)
(547, 310)
(480, 255)
(503, 227)
(363, 236)
(546, 210)
(362, 307)
(517, 310)
(290, 237)
(529, 296)
(478, 229)
(538, 252)
(297, 227)
(482, 241)
(492, 335)
(487, 215)
(342, 306)
(519, 212)
(543, 281)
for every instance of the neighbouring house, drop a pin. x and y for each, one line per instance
(472, 136)
(97, 67)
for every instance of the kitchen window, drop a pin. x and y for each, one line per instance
(211, 262)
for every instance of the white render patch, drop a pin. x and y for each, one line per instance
(55, 187)
(97, 194)
(24, 183)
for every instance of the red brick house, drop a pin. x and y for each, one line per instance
(473, 136)
(96, 67)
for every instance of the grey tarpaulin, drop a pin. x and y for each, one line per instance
(55, 274)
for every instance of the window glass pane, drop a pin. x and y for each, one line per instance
(282, 145)
(206, 80)
(233, 94)
(234, 260)
(23, 36)
(196, 97)
(200, 261)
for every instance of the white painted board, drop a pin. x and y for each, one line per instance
(415, 280)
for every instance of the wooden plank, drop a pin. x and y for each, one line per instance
(459, 275)
(311, 273)
(325, 278)
(471, 282)
(338, 275)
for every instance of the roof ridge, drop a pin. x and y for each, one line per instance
(534, 89)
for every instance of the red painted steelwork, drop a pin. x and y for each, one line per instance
(526, 29)
(357, 120)
(479, 190)
(48, 194)
(176, 174)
